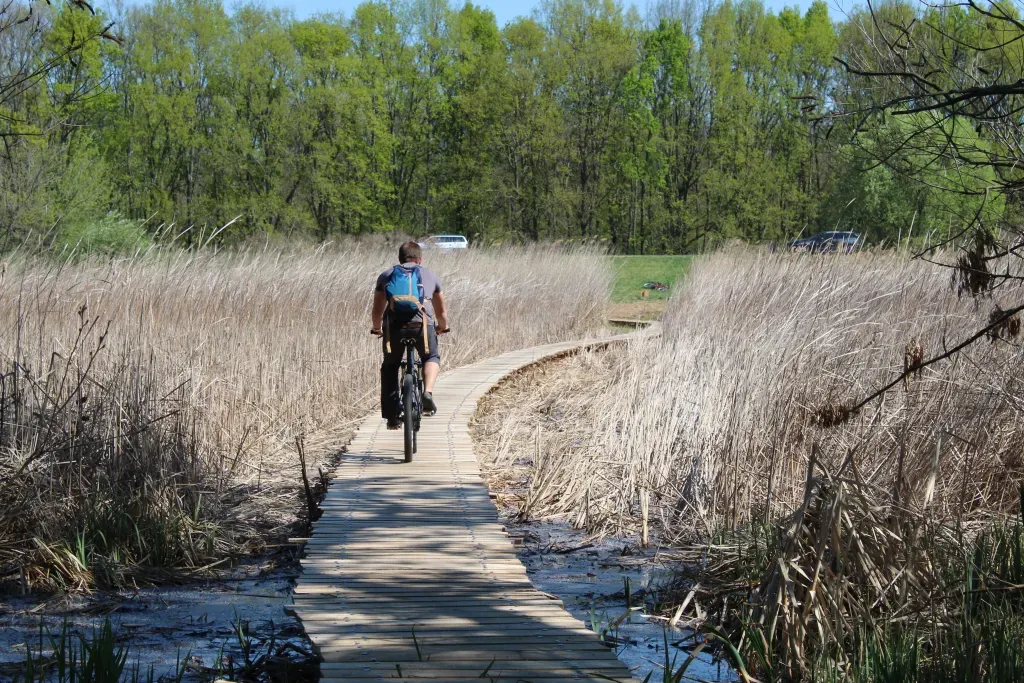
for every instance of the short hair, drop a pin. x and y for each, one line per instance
(410, 251)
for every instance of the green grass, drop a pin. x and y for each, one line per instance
(631, 272)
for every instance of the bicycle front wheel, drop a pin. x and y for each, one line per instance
(409, 405)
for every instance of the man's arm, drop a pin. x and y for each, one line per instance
(440, 310)
(380, 302)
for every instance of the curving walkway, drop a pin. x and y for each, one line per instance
(409, 573)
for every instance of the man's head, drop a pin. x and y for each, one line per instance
(410, 252)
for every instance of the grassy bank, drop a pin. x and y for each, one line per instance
(630, 299)
(631, 272)
(150, 407)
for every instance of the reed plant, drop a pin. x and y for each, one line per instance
(69, 656)
(821, 535)
(717, 419)
(149, 405)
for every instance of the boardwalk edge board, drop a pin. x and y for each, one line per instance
(409, 573)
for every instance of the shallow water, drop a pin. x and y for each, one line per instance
(164, 627)
(591, 581)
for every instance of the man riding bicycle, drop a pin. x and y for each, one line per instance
(407, 301)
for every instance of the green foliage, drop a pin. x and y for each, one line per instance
(665, 136)
(110, 235)
(78, 659)
(890, 189)
(119, 535)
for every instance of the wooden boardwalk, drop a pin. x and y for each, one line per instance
(409, 573)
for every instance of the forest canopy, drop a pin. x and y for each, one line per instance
(669, 129)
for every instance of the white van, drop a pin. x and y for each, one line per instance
(445, 242)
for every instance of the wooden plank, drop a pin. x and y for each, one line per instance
(428, 670)
(571, 662)
(417, 669)
(449, 634)
(510, 677)
(396, 601)
(380, 605)
(481, 580)
(481, 619)
(409, 602)
(498, 595)
(518, 678)
(409, 653)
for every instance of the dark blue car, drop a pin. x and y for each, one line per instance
(826, 242)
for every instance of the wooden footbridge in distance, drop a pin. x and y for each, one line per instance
(409, 573)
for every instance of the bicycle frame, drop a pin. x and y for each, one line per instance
(412, 361)
(411, 368)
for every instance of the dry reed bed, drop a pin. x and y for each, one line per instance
(825, 544)
(150, 405)
(717, 420)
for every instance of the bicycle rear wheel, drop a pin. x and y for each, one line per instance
(409, 405)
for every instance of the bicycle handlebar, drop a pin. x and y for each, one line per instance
(380, 333)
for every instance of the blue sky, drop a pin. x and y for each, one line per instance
(504, 10)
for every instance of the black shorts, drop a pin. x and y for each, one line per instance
(394, 336)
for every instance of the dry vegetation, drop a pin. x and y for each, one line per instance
(807, 524)
(149, 406)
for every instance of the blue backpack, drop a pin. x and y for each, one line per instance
(404, 291)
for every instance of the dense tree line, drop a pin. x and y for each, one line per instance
(664, 130)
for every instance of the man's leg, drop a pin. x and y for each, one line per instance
(390, 391)
(431, 369)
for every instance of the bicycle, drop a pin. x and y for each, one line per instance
(412, 391)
